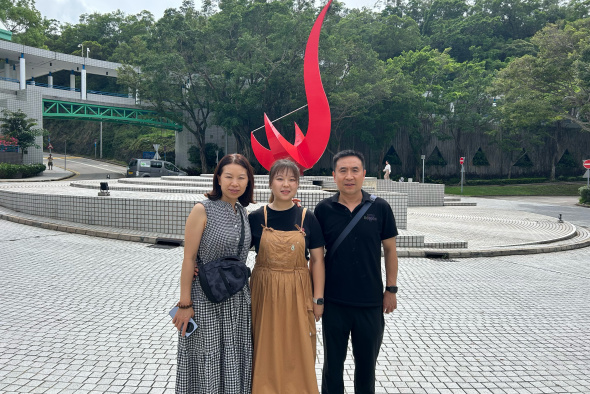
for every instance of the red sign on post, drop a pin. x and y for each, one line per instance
(586, 164)
(461, 160)
(50, 146)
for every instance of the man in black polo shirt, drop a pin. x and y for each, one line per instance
(354, 296)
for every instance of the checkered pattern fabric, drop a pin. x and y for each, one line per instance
(217, 357)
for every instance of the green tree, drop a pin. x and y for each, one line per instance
(429, 73)
(354, 77)
(25, 22)
(173, 79)
(539, 93)
(104, 34)
(470, 103)
(260, 67)
(17, 125)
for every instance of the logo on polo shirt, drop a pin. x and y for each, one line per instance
(370, 217)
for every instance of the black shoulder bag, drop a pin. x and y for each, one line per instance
(225, 276)
(351, 225)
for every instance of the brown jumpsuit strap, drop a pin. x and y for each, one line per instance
(265, 221)
(303, 216)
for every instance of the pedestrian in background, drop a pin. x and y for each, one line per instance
(217, 356)
(285, 307)
(354, 298)
(386, 170)
(50, 162)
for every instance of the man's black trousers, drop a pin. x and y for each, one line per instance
(365, 327)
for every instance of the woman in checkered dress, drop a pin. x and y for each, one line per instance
(217, 356)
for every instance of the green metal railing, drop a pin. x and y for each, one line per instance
(57, 109)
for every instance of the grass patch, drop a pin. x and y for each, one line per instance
(542, 189)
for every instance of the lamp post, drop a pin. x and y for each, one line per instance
(81, 46)
(423, 157)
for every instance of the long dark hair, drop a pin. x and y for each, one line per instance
(248, 196)
(278, 167)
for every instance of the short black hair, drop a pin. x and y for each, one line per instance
(347, 153)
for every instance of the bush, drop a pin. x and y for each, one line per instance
(480, 159)
(11, 171)
(584, 195)
(194, 155)
(192, 171)
(513, 181)
(316, 171)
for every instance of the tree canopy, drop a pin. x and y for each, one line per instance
(443, 68)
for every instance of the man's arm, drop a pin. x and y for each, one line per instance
(390, 255)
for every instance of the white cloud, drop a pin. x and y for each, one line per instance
(70, 10)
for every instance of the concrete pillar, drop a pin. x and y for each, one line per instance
(7, 69)
(101, 140)
(72, 80)
(50, 80)
(83, 83)
(23, 74)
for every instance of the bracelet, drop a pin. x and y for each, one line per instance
(179, 305)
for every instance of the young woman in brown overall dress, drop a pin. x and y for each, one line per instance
(285, 307)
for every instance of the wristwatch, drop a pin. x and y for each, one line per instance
(391, 289)
(318, 301)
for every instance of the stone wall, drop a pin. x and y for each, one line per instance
(29, 101)
(10, 157)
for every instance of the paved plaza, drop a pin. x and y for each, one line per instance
(81, 314)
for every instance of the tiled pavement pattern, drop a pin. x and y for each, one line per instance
(145, 210)
(502, 227)
(456, 231)
(80, 314)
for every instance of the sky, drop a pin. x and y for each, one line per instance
(70, 10)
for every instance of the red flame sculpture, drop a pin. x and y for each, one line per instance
(307, 149)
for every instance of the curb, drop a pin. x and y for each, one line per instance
(70, 175)
(442, 254)
(84, 231)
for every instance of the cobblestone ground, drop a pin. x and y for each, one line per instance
(81, 314)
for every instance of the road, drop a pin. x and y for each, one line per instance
(87, 168)
(551, 206)
(89, 315)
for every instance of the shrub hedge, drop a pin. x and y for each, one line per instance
(584, 195)
(11, 171)
(481, 182)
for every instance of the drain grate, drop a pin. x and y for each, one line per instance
(437, 255)
(163, 246)
(166, 243)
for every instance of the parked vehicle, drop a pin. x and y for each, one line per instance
(152, 168)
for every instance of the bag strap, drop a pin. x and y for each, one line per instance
(243, 235)
(351, 224)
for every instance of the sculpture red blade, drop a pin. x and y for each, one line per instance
(307, 149)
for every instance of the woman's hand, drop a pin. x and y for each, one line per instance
(196, 273)
(318, 311)
(182, 317)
